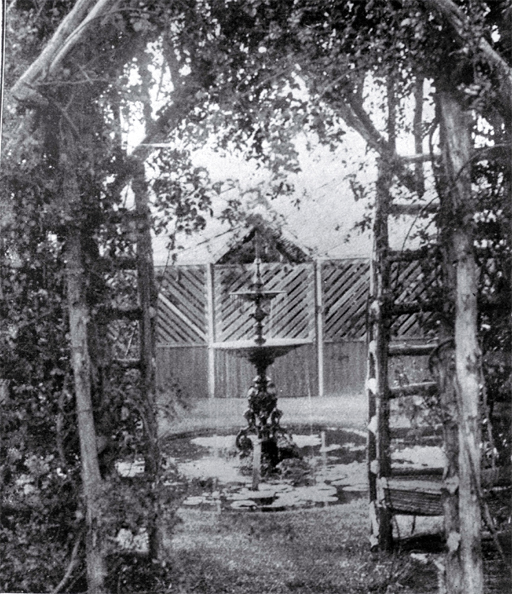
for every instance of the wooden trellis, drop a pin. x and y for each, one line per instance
(345, 296)
(323, 302)
(404, 304)
(182, 305)
(291, 314)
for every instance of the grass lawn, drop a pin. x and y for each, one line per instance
(312, 551)
(347, 410)
(321, 550)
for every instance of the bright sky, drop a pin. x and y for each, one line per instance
(325, 215)
(327, 212)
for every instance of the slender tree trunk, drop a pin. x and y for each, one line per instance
(91, 480)
(379, 465)
(467, 387)
(379, 440)
(460, 23)
(148, 304)
(456, 149)
(443, 369)
(81, 364)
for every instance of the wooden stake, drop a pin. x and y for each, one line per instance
(442, 367)
(379, 462)
(210, 313)
(148, 303)
(256, 463)
(319, 326)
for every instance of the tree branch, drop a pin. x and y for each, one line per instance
(356, 117)
(97, 11)
(459, 22)
(157, 131)
(64, 38)
(73, 562)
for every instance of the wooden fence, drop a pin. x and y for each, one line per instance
(322, 302)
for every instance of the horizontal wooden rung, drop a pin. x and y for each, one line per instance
(415, 350)
(128, 363)
(412, 209)
(125, 262)
(400, 309)
(127, 313)
(416, 472)
(119, 263)
(419, 158)
(407, 255)
(419, 389)
(125, 216)
(431, 434)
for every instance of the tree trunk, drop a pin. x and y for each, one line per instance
(91, 480)
(148, 304)
(460, 24)
(79, 317)
(467, 387)
(457, 200)
(443, 368)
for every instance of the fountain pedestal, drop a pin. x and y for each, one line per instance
(263, 434)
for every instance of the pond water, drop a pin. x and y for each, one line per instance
(332, 471)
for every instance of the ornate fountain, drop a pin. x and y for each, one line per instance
(269, 442)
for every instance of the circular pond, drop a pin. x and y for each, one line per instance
(331, 470)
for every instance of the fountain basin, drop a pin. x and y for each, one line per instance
(270, 350)
(333, 472)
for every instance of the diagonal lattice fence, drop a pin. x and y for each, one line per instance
(323, 302)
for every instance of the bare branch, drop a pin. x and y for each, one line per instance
(64, 38)
(355, 116)
(73, 562)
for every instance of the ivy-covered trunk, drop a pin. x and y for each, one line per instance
(148, 304)
(81, 364)
(458, 203)
(379, 467)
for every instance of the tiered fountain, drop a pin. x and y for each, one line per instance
(269, 442)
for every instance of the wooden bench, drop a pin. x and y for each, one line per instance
(421, 495)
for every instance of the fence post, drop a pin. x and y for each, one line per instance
(210, 319)
(319, 314)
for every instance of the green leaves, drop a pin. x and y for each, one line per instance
(182, 192)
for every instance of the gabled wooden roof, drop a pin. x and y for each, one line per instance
(274, 246)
